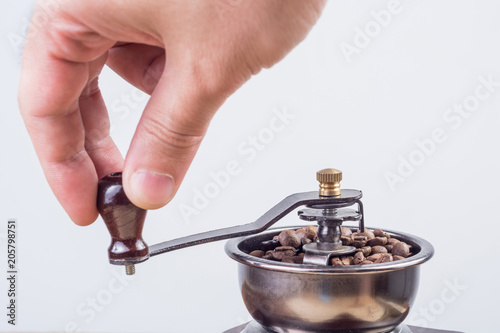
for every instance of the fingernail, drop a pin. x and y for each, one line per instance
(151, 187)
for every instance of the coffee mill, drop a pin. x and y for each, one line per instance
(285, 297)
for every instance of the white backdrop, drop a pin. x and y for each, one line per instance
(406, 106)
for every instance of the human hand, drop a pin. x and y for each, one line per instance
(189, 55)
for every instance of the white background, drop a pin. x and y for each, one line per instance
(360, 116)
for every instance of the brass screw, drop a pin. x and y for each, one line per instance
(329, 182)
(130, 269)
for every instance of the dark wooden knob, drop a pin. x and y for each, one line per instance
(124, 221)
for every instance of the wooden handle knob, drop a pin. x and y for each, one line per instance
(124, 221)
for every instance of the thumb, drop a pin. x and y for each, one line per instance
(169, 133)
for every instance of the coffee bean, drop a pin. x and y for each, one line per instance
(268, 256)
(277, 255)
(306, 235)
(392, 241)
(379, 249)
(346, 231)
(372, 247)
(269, 245)
(368, 233)
(359, 241)
(305, 240)
(257, 253)
(385, 257)
(374, 257)
(312, 232)
(401, 249)
(293, 260)
(346, 260)
(346, 240)
(307, 232)
(377, 241)
(358, 258)
(335, 261)
(285, 248)
(289, 238)
(366, 250)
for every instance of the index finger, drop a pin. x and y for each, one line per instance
(55, 70)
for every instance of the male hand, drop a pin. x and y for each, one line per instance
(188, 55)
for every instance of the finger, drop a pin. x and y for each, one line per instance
(141, 65)
(98, 143)
(55, 70)
(167, 138)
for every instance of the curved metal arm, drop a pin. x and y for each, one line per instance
(262, 223)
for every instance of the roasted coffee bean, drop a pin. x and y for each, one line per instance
(366, 250)
(293, 260)
(289, 238)
(388, 256)
(346, 231)
(392, 241)
(346, 260)
(269, 245)
(268, 256)
(371, 247)
(282, 251)
(358, 258)
(401, 249)
(368, 233)
(306, 235)
(305, 240)
(257, 253)
(377, 241)
(313, 231)
(374, 257)
(379, 249)
(359, 241)
(346, 240)
(278, 255)
(307, 232)
(288, 250)
(335, 261)
(385, 257)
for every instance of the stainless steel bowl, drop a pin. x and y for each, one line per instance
(294, 298)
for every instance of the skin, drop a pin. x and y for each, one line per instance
(188, 55)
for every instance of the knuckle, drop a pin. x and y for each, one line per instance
(175, 142)
(71, 40)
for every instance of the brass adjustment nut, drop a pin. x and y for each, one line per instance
(329, 182)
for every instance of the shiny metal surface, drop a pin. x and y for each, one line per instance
(254, 327)
(293, 298)
(314, 255)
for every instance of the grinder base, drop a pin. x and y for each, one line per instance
(254, 327)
